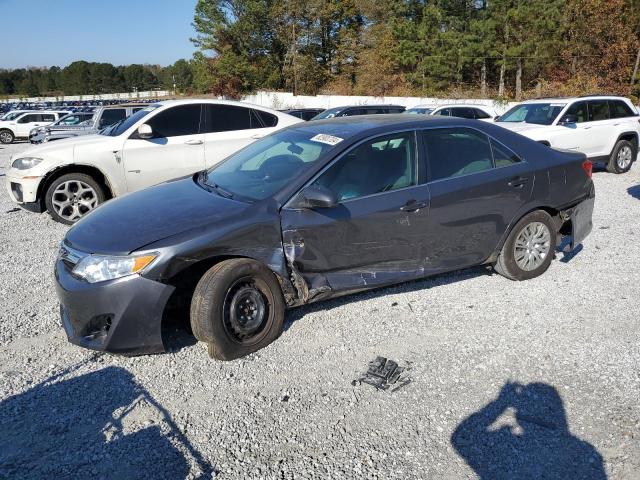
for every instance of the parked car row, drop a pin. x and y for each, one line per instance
(73, 125)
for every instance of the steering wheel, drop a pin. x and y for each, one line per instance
(279, 166)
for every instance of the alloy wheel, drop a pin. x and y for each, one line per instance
(73, 199)
(624, 157)
(6, 137)
(532, 246)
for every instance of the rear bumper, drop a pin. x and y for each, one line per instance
(581, 217)
(120, 316)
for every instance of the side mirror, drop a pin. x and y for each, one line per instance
(495, 119)
(317, 197)
(568, 119)
(145, 131)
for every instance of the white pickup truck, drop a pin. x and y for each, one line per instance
(605, 128)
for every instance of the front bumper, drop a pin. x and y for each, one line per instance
(120, 316)
(22, 189)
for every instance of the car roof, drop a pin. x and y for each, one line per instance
(571, 99)
(347, 127)
(191, 101)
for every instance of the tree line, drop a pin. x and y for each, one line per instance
(466, 48)
(498, 48)
(84, 78)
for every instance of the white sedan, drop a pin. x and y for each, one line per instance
(166, 140)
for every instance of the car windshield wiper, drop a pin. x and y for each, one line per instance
(219, 190)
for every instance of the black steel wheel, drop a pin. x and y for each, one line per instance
(237, 308)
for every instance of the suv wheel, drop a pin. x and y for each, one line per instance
(237, 308)
(622, 157)
(529, 248)
(70, 197)
(6, 136)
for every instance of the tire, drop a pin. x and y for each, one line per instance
(510, 262)
(82, 194)
(7, 136)
(217, 308)
(622, 157)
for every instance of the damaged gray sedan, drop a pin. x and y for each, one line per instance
(311, 212)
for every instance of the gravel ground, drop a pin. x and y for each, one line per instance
(570, 337)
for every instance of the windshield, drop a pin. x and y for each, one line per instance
(11, 116)
(330, 113)
(538, 113)
(266, 166)
(123, 125)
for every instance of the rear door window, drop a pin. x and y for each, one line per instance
(463, 112)
(261, 119)
(48, 117)
(598, 110)
(445, 112)
(480, 114)
(619, 109)
(579, 109)
(502, 156)
(225, 118)
(176, 121)
(455, 152)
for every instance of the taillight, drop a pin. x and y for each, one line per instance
(588, 167)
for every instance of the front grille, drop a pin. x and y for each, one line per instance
(16, 189)
(70, 256)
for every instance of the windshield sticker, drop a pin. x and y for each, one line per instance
(557, 104)
(328, 139)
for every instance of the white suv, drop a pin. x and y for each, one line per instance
(166, 140)
(21, 125)
(604, 128)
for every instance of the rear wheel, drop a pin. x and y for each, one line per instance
(529, 248)
(237, 308)
(622, 157)
(70, 197)
(6, 136)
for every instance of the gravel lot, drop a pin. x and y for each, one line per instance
(291, 410)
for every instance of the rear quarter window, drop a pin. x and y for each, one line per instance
(620, 109)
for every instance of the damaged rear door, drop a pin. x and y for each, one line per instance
(374, 235)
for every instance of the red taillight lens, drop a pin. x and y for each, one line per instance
(588, 167)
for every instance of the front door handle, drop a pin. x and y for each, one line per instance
(413, 206)
(257, 136)
(193, 142)
(518, 182)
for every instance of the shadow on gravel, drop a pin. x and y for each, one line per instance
(298, 313)
(634, 191)
(101, 424)
(523, 433)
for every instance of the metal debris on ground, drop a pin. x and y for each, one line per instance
(385, 374)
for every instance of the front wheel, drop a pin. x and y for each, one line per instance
(529, 248)
(6, 136)
(622, 157)
(237, 308)
(70, 197)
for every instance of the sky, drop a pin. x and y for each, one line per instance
(43, 33)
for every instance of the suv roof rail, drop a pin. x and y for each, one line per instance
(601, 95)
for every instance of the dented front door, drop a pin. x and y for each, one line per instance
(362, 242)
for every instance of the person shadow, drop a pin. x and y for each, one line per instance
(101, 424)
(524, 434)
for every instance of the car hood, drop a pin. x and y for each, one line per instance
(133, 221)
(67, 143)
(521, 127)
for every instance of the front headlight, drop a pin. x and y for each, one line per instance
(100, 268)
(25, 163)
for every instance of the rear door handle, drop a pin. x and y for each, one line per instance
(413, 206)
(518, 182)
(193, 142)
